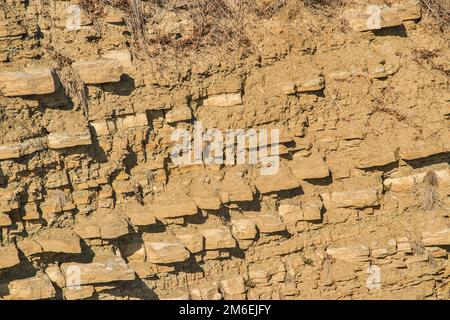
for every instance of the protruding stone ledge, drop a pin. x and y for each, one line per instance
(138, 214)
(208, 291)
(103, 127)
(207, 201)
(52, 141)
(218, 238)
(355, 192)
(405, 183)
(315, 83)
(223, 100)
(243, 228)
(178, 114)
(233, 288)
(66, 140)
(421, 149)
(40, 81)
(109, 127)
(350, 253)
(409, 10)
(123, 56)
(169, 206)
(27, 82)
(269, 223)
(165, 252)
(9, 257)
(99, 71)
(438, 238)
(312, 210)
(9, 200)
(106, 227)
(78, 293)
(373, 156)
(104, 270)
(313, 167)
(17, 150)
(29, 247)
(282, 180)
(62, 242)
(234, 189)
(351, 199)
(132, 121)
(399, 184)
(36, 288)
(373, 18)
(377, 17)
(192, 241)
(291, 214)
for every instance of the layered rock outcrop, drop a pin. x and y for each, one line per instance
(93, 206)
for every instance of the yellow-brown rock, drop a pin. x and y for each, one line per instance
(28, 82)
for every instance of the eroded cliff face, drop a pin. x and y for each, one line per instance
(93, 207)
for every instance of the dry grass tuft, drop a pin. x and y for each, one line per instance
(426, 57)
(71, 81)
(221, 20)
(132, 12)
(399, 116)
(216, 22)
(318, 4)
(134, 19)
(265, 8)
(429, 195)
(440, 9)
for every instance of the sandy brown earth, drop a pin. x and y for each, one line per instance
(92, 206)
